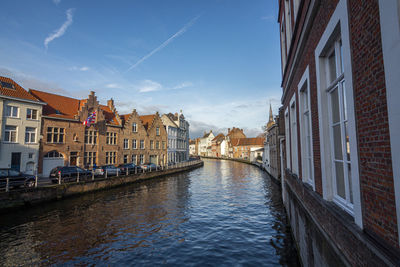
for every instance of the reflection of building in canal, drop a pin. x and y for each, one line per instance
(85, 226)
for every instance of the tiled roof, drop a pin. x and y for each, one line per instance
(248, 141)
(57, 106)
(109, 115)
(207, 134)
(147, 120)
(220, 137)
(16, 91)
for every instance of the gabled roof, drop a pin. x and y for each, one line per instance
(207, 134)
(59, 106)
(12, 89)
(147, 120)
(219, 138)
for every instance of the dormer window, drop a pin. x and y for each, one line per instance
(58, 112)
(7, 85)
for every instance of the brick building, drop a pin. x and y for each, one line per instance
(216, 148)
(242, 147)
(340, 77)
(109, 140)
(233, 133)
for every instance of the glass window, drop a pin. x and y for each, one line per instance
(30, 135)
(126, 144)
(10, 134)
(134, 145)
(31, 114)
(134, 127)
(55, 135)
(141, 144)
(158, 131)
(12, 111)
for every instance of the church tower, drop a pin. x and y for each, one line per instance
(271, 117)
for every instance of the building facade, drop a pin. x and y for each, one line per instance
(205, 144)
(20, 115)
(233, 133)
(109, 139)
(172, 131)
(242, 147)
(216, 148)
(340, 76)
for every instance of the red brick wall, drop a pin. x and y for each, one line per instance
(325, 11)
(376, 177)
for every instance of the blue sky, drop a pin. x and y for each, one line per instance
(217, 60)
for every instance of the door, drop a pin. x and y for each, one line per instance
(30, 167)
(153, 159)
(73, 159)
(51, 160)
(16, 161)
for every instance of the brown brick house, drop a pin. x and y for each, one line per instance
(66, 141)
(144, 139)
(216, 145)
(242, 147)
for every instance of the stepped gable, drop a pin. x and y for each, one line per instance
(10, 88)
(59, 106)
(147, 120)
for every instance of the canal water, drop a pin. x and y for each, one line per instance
(223, 214)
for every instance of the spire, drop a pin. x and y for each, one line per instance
(271, 117)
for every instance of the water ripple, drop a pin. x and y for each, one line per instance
(225, 213)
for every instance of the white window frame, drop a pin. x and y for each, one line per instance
(338, 24)
(134, 144)
(157, 130)
(10, 134)
(293, 134)
(32, 111)
(12, 108)
(142, 144)
(90, 137)
(134, 127)
(389, 14)
(307, 174)
(126, 143)
(134, 159)
(287, 134)
(30, 135)
(141, 159)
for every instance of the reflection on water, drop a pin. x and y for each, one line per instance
(224, 213)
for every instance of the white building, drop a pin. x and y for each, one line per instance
(255, 153)
(172, 131)
(266, 160)
(192, 147)
(205, 144)
(178, 136)
(20, 121)
(224, 148)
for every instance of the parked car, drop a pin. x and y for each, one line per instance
(16, 178)
(149, 166)
(111, 170)
(129, 167)
(69, 174)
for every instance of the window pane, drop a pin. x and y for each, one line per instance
(337, 142)
(344, 101)
(347, 141)
(350, 182)
(26, 137)
(341, 56)
(340, 180)
(332, 67)
(15, 112)
(335, 105)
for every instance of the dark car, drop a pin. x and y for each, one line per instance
(69, 174)
(149, 166)
(16, 179)
(111, 170)
(129, 167)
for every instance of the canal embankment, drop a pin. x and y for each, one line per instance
(16, 199)
(254, 163)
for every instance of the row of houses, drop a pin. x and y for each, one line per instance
(233, 145)
(40, 130)
(337, 133)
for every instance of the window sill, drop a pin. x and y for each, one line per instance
(35, 120)
(7, 142)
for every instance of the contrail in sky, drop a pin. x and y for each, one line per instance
(60, 32)
(177, 34)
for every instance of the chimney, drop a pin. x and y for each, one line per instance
(110, 103)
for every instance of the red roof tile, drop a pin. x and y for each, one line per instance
(147, 120)
(17, 91)
(247, 141)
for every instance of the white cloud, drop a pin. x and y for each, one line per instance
(169, 40)
(149, 86)
(183, 85)
(60, 32)
(56, 2)
(112, 85)
(84, 68)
